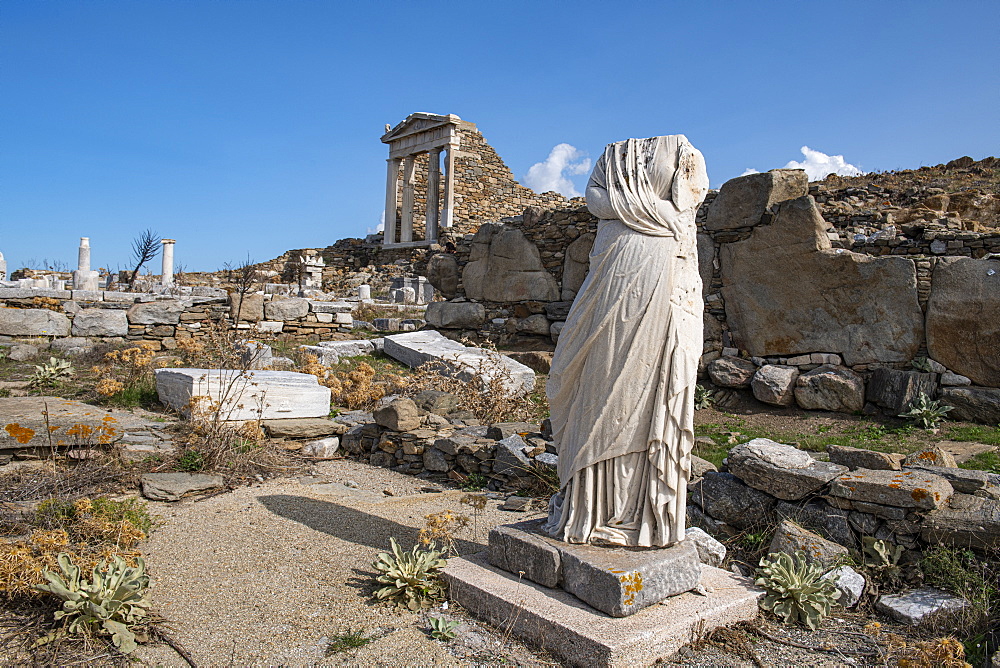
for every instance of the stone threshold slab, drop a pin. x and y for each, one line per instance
(572, 630)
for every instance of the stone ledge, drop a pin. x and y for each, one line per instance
(567, 627)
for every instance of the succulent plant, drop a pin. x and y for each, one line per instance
(51, 372)
(922, 364)
(411, 577)
(111, 603)
(926, 413)
(703, 397)
(882, 555)
(796, 590)
(443, 629)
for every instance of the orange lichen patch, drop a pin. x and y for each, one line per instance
(929, 455)
(919, 494)
(19, 433)
(633, 585)
(895, 485)
(53, 428)
(81, 430)
(108, 418)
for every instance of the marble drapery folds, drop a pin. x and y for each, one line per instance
(621, 388)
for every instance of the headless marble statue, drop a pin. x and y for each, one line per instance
(621, 387)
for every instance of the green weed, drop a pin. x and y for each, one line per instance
(984, 461)
(191, 461)
(976, 433)
(348, 640)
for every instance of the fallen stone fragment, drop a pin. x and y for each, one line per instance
(399, 415)
(22, 352)
(522, 504)
(700, 467)
(935, 456)
(324, 448)
(857, 458)
(895, 390)
(966, 521)
(967, 481)
(850, 584)
(502, 430)
(510, 457)
(914, 606)
(710, 551)
(303, 428)
(903, 489)
(175, 486)
(780, 470)
(976, 404)
(790, 537)
(725, 499)
(775, 384)
(731, 372)
(830, 388)
(436, 401)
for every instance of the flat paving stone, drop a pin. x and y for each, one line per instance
(581, 636)
(913, 607)
(903, 489)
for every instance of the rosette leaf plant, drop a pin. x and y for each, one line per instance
(411, 578)
(796, 590)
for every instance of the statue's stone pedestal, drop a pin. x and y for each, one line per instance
(617, 581)
(567, 627)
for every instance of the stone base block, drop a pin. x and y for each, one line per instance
(562, 624)
(616, 580)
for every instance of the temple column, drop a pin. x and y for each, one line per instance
(391, 202)
(448, 214)
(433, 194)
(406, 219)
(167, 270)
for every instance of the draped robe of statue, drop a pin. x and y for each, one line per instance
(621, 387)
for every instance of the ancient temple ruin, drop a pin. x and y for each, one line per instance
(425, 199)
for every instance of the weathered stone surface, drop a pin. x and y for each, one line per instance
(789, 537)
(710, 551)
(249, 395)
(780, 470)
(521, 547)
(351, 348)
(251, 307)
(903, 489)
(536, 324)
(896, 390)
(33, 322)
(955, 380)
(576, 265)
(742, 201)
(442, 272)
(832, 523)
(965, 521)
(700, 467)
(323, 448)
(556, 620)
(434, 460)
(621, 582)
(100, 322)
(967, 481)
(156, 313)
(501, 430)
(706, 258)
(915, 606)
(960, 332)
(731, 372)
(857, 458)
(22, 352)
(558, 310)
(303, 428)
(454, 359)
(788, 292)
(175, 486)
(286, 309)
(850, 584)
(724, 498)
(511, 459)
(457, 315)
(830, 388)
(332, 307)
(539, 361)
(400, 415)
(775, 385)
(935, 456)
(325, 356)
(976, 404)
(505, 267)
(436, 401)
(72, 345)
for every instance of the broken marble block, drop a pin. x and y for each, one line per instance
(463, 362)
(780, 470)
(244, 395)
(914, 606)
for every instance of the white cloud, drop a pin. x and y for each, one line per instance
(564, 160)
(750, 170)
(380, 227)
(819, 165)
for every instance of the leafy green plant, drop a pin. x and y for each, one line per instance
(190, 460)
(796, 590)
(349, 639)
(113, 602)
(926, 413)
(473, 483)
(49, 374)
(922, 364)
(443, 629)
(411, 577)
(984, 461)
(703, 397)
(882, 557)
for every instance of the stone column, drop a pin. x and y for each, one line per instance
(83, 277)
(167, 273)
(433, 194)
(3, 268)
(83, 256)
(447, 216)
(391, 202)
(406, 218)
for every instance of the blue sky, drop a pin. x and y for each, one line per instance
(246, 127)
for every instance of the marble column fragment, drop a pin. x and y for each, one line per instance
(167, 272)
(83, 277)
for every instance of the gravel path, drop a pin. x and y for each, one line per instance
(268, 574)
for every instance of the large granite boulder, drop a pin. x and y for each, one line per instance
(286, 309)
(830, 388)
(248, 307)
(858, 458)
(965, 521)
(789, 537)
(166, 312)
(33, 322)
(247, 395)
(100, 322)
(775, 384)
(725, 499)
(505, 267)
(787, 292)
(457, 315)
(976, 404)
(780, 470)
(963, 332)
(731, 372)
(576, 265)
(742, 201)
(442, 272)
(895, 390)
